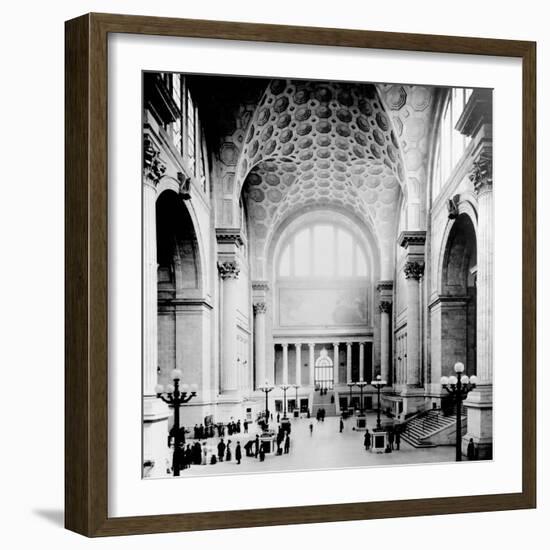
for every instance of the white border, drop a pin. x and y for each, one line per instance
(128, 494)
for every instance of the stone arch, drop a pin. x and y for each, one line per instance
(178, 244)
(182, 309)
(454, 312)
(305, 215)
(187, 211)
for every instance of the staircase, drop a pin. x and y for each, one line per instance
(323, 402)
(421, 428)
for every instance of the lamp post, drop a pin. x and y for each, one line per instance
(296, 406)
(361, 385)
(350, 385)
(458, 388)
(172, 395)
(284, 387)
(266, 388)
(378, 383)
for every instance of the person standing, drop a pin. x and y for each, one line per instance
(245, 426)
(341, 425)
(256, 446)
(178, 458)
(228, 451)
(287, 444)
(391, 437)
(238, 452)
(366, 440)
(221, 450)
(397, 439)
(310, 428)
(471, 450)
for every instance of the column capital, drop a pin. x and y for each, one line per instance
(285, 345)
(260, 308)
(349, 344)
(481, 174)
(153, 167)
(385, 306)
(335, 344)
(362, 344)
(311, 344)
(229, 270)
(414, 270)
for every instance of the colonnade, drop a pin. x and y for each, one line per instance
(294, 372)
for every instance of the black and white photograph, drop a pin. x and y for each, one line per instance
(317, 274)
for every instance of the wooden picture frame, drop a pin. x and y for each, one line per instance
(86, 424)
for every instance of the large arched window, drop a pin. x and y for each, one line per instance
(322, 250)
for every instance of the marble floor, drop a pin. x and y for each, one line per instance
(325, 448)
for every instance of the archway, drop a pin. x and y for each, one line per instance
(324, 371)
(455, 311)
(179, 287)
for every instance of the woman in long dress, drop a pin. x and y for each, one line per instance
(228, 451)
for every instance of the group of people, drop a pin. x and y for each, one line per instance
(186, 455)
(321, 413)
(201, 431)
(394, 440)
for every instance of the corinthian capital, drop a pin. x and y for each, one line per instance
(153, 167)
(259, 308)
(482, 172)
(414, 270)
(229, 270)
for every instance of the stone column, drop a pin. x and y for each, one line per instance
(348, 362)
(385, 289)
(385, 314)
(298, 378)
(155, 412)
(413, 274)
(413, 242)
(361, 361)
(311, 364)
(480, 401)
(229, 272)
(336, 363)
(150, 314)
(285, 363)
(260, 310)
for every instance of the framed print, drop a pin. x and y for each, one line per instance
(288, 265)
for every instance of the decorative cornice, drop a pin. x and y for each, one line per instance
(478, 111)
(385, 306)
(229, 270)
(414, 270)
(260, 308)
(384, 285)
(153, 167)
(412, 238)
(260, 285)
(482, 172)
(229, 236)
